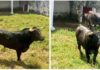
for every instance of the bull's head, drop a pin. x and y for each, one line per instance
(36, 34)
(92, 38)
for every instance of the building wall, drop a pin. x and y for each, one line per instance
(41, 7)
(98, 6)
(5, 4)
(61, 7)
(76, 5)
(16, 4)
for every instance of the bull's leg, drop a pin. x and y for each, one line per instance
(94, 57)
(91, 22)
(18, 55)
(87, 56)
(79, 48)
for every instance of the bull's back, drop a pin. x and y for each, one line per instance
(81, 34)
(7, 39)
(15, 40)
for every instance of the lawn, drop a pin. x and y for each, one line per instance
(37, 54)
(65, 53)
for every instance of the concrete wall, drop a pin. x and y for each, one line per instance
(5, 4)
(61, 7)
(98, 6)
(41, 7)
(16, 4)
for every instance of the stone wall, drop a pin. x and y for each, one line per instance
(61, 7)
(76, 5)
(41, 7)
(72, 6)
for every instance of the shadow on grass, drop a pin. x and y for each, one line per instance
(8, 13)
(5, 13)
(83, 57)
(11, 64)
(59, 28)
(65, 25)
(62, 24)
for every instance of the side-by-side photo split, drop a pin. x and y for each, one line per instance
(24, 34)
(75, 35)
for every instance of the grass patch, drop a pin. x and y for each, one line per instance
(65, 53)
(37, 55)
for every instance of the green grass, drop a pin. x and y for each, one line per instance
(37, 55)
(65, 53)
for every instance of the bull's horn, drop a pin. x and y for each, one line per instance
(90, 33)
(30, 29)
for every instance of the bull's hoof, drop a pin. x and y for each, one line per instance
(88, 61)
(94, 63)
(81, 54)
(19, 60)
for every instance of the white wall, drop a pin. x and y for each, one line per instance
(98, 6)
(61, 7)
(5, 4)
(16, 4)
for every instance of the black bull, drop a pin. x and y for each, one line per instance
(20, 40)
(89, 40)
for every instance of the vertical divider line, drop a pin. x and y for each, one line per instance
(51, 9)
(49, 34)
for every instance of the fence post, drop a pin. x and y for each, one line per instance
(12, 7)
(51, 14)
